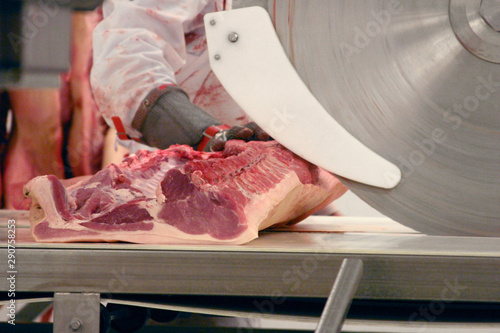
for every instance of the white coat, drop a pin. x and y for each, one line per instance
(143, 44)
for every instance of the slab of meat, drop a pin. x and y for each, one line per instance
(86, 133)
(52, 123)
(35, 144)
(179, 195)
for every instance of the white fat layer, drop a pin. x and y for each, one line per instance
(160, 234)
(261, 205)
(124, 195)
(91, 185)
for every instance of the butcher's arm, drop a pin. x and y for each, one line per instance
(138, 47)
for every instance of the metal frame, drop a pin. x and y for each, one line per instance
(340, 298)
(76, 312)
(278, 266)
(253, 273)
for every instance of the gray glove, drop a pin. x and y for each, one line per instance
(168, 117)
(248, 132)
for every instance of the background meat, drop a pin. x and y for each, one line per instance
(87, 128)
(55, 131)
(35, 144)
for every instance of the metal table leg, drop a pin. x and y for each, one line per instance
(76, 312)
(340, 297)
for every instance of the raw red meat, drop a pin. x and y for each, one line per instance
(179, 195)
(43, 116)
(35, 145)
(86, 135)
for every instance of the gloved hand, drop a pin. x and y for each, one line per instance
(168, 117)
(248, 132)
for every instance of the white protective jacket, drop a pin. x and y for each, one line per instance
(143, 44)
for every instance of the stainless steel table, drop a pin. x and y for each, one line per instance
(294, 262)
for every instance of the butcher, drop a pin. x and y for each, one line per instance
(152, 81)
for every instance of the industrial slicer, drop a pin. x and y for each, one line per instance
(399, 98)
(416, 82)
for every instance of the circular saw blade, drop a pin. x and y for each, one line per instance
(395, 75)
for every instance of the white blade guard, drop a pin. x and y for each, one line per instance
(248, 59)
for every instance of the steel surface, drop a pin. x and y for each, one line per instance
(397, 77)
(299, 261)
